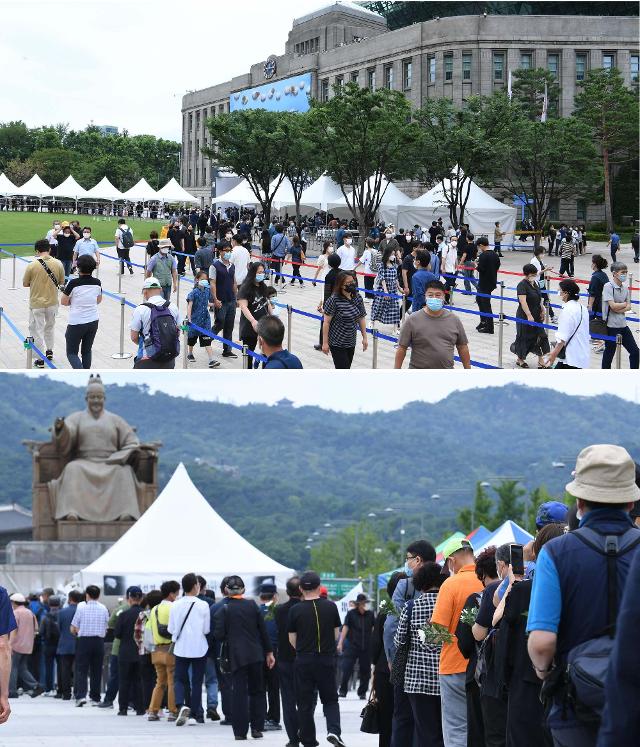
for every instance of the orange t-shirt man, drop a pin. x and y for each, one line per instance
(451, 599)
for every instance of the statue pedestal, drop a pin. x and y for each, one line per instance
(87, 530)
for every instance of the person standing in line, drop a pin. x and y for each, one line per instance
(128, 658)
(224, 678)
(421, 277)
(370, 262)
(333, 263)
(66, 650)
(153, 245)
(82, 295)
(344, 313)
(268, 602)
(572, 337)
(551, 238)
(280, 246)
(313, 627)
(254, 304)
(113, 681)
(356, 634)
(240, 259)
(164, 268)
(7, 626)
(67, 239)
(210, 673)
(488, 264)
(297, 257)
(189, 624)
(347, 252)
(567, 252)
(21, 640)
(205, 254)
(86, 245)
(124, 242)
(448, 265)
(599, 279)
(224, 290)
(189, 250)
(89, 624)
(616, 301)
(454, 592)
(498, 235)
(44, 276)
(386, 308)
(285, 661)
(176, 236)
(529, 337)
(49, 632)
(162, 659)
(52, 237)
(241, 625)
(468, 261)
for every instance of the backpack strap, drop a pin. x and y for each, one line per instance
(46, 268)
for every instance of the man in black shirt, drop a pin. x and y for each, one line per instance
(356, 630)
(434, 231)
(468, 260)
(313, 629)
(330, 279)
(128, 657)
(285, 661)
(408, 269)
(66, 244)
(488, 264)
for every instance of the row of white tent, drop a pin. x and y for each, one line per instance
(104, 190)
(481, 211)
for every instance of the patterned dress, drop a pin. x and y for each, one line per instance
(384, 309)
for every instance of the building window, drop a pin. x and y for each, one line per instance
(553, 64)
(581, 211)
(190, 122)
(554, 210)
(498, 67)
(354, 77)
(388, 76)
(466, 66)
(371, 79)
(406, 75)
(526, 61)
(581, 66)
(189, 175)
(634, 67)
(432, 69)
(448, 67)
(221, 109)
(608, 60)
(324, 89)
(197, 120)
(339, 81)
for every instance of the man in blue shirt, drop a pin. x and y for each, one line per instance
(66, 650)
(340, 234)
(614, 244)
(7, 625)
(569, 598)
(270, 332)
(420, 278)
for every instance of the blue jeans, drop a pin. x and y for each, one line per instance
(181, 678)
(224, 319)
(68, 265)
(468, 276)
(166, 292)
(211, 683)
(112, 682)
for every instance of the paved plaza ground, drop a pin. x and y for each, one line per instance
(46, 722)
(304, 330)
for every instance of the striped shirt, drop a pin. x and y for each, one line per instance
(345, 313)
(91, 619)
(566, 248)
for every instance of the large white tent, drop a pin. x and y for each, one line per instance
(481, 211)
(509, 532)
(7, 187)
(178, 533)
(141, 192)
(392, 199)
(173, 192)
(104, 190)
(283, 196)
(69, 188)
(322, 192)
(241, 194)
(34, 187)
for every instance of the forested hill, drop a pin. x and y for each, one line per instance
(277, 473)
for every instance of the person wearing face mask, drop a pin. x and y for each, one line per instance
(86, 245)
(432, 334)
(389, 240)
(224, 289)
(67, 239)
(529, 338)
(420, 278)
(322, 266)
(616, 300)
(176, 236)
(240, 258)
(344, 313)
(155, 329)
(572, 338)
(189, 249)
(448, 262)
(599, 279)
(253, 303)
(488, 264)
(164, 267)
(280, 247)
(198, 300)
(347, 253)
(124, 242)
(385, 308)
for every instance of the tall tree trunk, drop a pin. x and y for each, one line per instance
(297, 199)
(363, 228)
(607, 190)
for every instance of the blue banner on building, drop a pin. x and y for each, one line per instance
(287, 95)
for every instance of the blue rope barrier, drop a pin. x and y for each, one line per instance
(21, 337)
(210, 333)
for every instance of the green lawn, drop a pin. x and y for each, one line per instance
(26, 228)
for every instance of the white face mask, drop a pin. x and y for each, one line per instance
(86, 234)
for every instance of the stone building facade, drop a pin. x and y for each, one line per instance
(454, 57)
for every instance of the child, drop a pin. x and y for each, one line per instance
(272, 296)
(198, 301)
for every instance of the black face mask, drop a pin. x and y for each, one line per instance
(351, 289)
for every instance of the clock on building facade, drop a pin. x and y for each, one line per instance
(270, 68)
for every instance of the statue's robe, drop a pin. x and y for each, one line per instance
(97, 484)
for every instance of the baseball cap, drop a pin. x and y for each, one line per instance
(134, 591)
(151, 283)
(18, 598)
(309, 581)
(455, 544)
(551, 512)
(324, 592)
(64, 224)
(268, 588)
(604, 474)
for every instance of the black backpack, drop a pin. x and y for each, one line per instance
(51, 629)
(163, 333)
(126, 238)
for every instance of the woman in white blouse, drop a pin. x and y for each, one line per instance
(572, 348)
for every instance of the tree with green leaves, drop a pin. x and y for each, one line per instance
(337, 553)
(537, 497)
(610, 112)
(528, 90)
(363, 136)
(509, 505)
(305, 164)
(480, 515)
(458, 146)
(253, 144)
(53, 165)
(547, 161)
(16, 143)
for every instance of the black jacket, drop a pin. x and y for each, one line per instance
(240, 622)
(378, 655)
(286, 652)
(125, 625)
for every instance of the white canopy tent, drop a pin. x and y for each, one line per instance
(178, 533)
(173, 192)
(7, 187)
(141, 192)
(34, 187)
(241, 194)
(283, 196)
(104, 190)
(322, 192)
(392, 199)
(481, 212)
(509, 532)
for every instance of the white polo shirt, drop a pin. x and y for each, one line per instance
(192, 642)
(573, 328)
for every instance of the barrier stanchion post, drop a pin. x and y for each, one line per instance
(121, 355)
(13, 273)
(402, 309)
(618, 351)
(178, 292)
(1, 313)
(289, 318)
(245, 357)
(28, 344)
(501, 325)
(374, 360)
(120, 274)
(185, 327)
(0, 265)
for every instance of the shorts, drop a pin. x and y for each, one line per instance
(205, 340)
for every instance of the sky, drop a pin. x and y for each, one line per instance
(129, 62)
(356, 391)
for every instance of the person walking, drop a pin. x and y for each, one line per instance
(128, 657)
(448, 265)
(488, 265)
(163, 266)
(270, 337)
(113, 681)
(370, 262)
(21, 640)
(347, 252)
(421, 278)
(240, 259)
(572, 338)
(498, 235)
(285, 661)
(66, 650)
(67, 239)
(297, 257)
(344, 313)
(241, 625)
(616, 301)
(599, 279)
(82, 295)
(154, 329)
(354, 645)
(189, 624)
(198, 300)
(313, 627)
(613, 244)
(44, 276)
(530, 338)
(162, 659)
(254, 304)
(267, 602)
(567, 253)
(49, 632)
(124, 242)
(551, 236)
(468, 252)
(86, 245)
(386, 308)
(89, 624)
(280, 247)
(224, 289)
